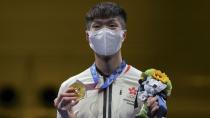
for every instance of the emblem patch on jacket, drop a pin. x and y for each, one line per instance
(131, 95)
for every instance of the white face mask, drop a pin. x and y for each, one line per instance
(105, 41)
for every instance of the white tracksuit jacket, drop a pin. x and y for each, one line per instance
(117, 101)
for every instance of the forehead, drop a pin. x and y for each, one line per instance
(106, 20)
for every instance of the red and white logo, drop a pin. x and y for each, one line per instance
(132, 91)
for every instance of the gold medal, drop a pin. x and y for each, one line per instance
(79, 88)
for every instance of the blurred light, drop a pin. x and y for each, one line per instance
(8, 97)
(47, 96)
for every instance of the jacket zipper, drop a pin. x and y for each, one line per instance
(104, 101)
(109, 101)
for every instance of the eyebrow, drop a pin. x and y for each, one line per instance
(99, 21)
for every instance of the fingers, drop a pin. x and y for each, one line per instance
(64, 97)
(67, 97)
(75, 102)
(154, 110)
(152, 103)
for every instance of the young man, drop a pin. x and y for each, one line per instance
(113, 82)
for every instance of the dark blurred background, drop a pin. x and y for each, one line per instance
(42, 43)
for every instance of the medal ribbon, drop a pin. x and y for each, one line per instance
(109, 79)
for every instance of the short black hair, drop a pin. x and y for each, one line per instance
(106, 10)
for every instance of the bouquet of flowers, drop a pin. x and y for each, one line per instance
(153, 83)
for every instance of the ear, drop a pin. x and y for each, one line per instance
(125, 34)
(87, 36)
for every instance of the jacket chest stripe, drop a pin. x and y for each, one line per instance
(104, 101)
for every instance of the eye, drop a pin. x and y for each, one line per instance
(112, 25)
(96, 26)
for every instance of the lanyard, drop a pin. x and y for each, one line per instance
(109, 79)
